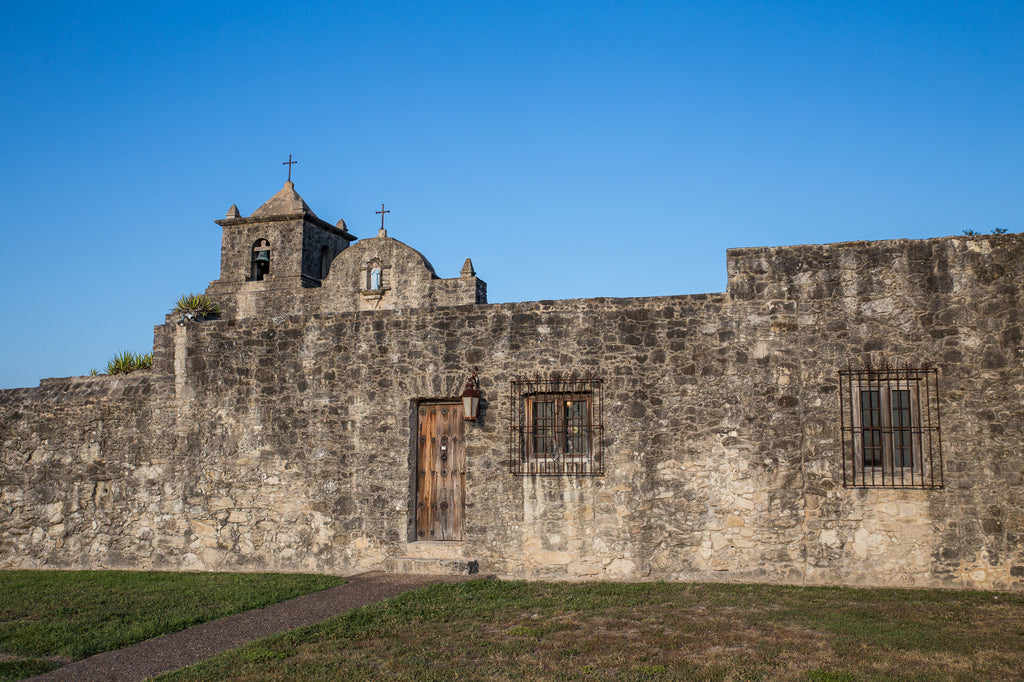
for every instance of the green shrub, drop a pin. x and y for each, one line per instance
(995, 230)
(126, 361)
(196, 307)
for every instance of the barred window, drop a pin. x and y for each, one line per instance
(556, 427)
(890, 425)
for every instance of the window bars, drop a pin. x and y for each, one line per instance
(890, 427)
(556, 427)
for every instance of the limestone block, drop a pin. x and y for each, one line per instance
(219, 503)
(213, 557)
(743, 503)
(169, 541)
(206, 529)
(829, 538)
(584, 568)
(621, 567)
(550, 557)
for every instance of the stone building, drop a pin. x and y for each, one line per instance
(845, 413)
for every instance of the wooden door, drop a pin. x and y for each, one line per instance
(440, 472)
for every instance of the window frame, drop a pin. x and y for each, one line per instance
(563, 439)
(886, 432)
(560, 428)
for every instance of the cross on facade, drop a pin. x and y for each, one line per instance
(289, 163)
(382, 212)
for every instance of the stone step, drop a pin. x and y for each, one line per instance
(432, 565)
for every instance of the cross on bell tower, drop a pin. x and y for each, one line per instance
(289, 163)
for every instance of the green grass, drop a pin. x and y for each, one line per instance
(48, 618)
(488, 629)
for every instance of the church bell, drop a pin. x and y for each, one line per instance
(263, 257)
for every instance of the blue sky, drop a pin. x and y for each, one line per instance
(572, 149)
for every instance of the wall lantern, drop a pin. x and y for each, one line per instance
(471, 398)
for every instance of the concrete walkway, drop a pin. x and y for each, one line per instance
(198, 643)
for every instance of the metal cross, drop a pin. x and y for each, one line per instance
(289, 163)
(382, 212)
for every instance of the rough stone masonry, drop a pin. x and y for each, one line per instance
(705, 437)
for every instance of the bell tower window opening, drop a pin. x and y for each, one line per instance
(260, 267)
(325, 261)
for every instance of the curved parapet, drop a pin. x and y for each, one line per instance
(382, 273)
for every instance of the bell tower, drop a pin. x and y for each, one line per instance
(283, 244)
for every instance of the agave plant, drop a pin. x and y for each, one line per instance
(121, 363)
(196, 307)
(126, 361)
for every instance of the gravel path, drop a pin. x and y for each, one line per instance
(198, 643)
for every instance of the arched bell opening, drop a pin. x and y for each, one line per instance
(260, 260)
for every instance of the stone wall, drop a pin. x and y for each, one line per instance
(269, 441)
